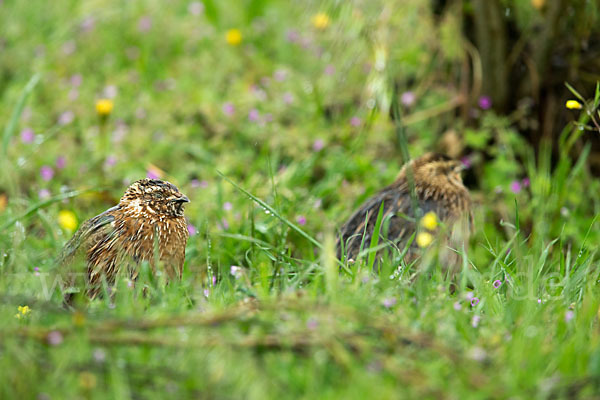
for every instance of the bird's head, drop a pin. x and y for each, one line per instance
(153, 197)
(436, 169)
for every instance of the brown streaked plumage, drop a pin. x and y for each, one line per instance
(438, 188)
(146, 225)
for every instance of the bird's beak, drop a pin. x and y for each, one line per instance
(182, 199)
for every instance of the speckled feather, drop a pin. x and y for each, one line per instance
(438, 188)
(146, 225)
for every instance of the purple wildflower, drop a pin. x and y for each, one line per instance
(288, 98)
(87, 24)
(312, 324)
(144, 24)
(569, 315)
(76, 80)
(475, 321)
(474, 301)
(44, 194)
(408, 98)
(485, 102)
(191, 229)
(389, 302)
(318, 145)
(253, 115)
(466, 162)
(497, 283)
(110, 161)
(469, 296)
(292, 36)
(54, 338)
(227, 206)
(152, 175)
(355, 121)
(46, 172)
(280, 75)
(224, 224)
(228, 109)
(66, 117)
(61, 162)
(206, 292)
(329, 70)
(301, 220)
(27, 136)
(196, 8)
(515, 187)
(526, 182)
(457, 306)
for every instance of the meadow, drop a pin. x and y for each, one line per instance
(277, 120)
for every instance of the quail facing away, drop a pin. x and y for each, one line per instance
(146, 225)
(438, 188)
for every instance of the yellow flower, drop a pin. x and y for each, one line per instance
(320, 20)
(104, 107)
(424, 239)
(22, 311)
(67, 220)
(573, 105)
(429, 221)
(233, 37)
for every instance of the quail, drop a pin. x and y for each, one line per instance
(438, 188)
(147, 225)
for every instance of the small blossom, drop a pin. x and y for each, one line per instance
(235, 271)
(515, 187)
(61, 162)
(474, 301)
(228, 109)
(110, 162)
(312, 324)
(318, 145)
(22, 311)
(424, 239)
(475, 321)
(233, 37)
(292, 36)
(191, 229)
(389, 302)
(224, 224)
(66, 118)
(573, 105)
(477, 354)
(99, 355)
(569, 315)
(76, 80)
(469, 295)
(254, 115)
(87, 24)
(67, 220)
(301, 220)
(44, 194)
(110, 91)
(144, 24)
(539, 301)
(457, 306)
(46, 172)
(466, 162)
(206, 292)
(485, 102)
(355, 121)
(329, 70)
(27, 136)
(280, 75)
(320, 20)
(196, 8)
(227, 206)
(288, 98)
(497, 283)
(429, 221)
(408, 98)
(526, 182)
(54, 338)
(104, 107)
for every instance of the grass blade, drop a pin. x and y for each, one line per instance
(11, 127)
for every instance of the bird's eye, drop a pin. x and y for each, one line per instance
(157, 195)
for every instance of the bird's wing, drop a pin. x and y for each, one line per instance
(100, 225)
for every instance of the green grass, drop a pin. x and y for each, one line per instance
(292, 322)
